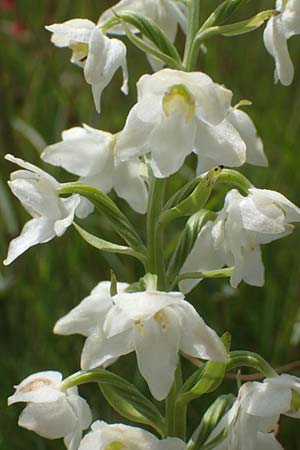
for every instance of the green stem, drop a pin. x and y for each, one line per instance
(191, 61)
(193, 27)
(175, 417)
(156, 263)
(250, 359)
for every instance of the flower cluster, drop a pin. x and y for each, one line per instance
(179, 112)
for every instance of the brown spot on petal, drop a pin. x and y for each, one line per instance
(36, 384)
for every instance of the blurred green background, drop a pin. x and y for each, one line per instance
(43, 94)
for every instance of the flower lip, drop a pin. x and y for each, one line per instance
(178, 98)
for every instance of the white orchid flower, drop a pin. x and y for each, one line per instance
(234, 238)
(99, 56)
(118, 436)
(278, 30)
(178, 113)
(156, 325)
(51, 412)
(248, 430)
(38, 193)
(88, 317)
(167, 14)
(89, 153)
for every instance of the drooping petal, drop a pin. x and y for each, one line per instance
(249, 267)
(83, 151)
(84, 420)
(129, 184)
(246, 129)
(89, 314)
(267, 441)
(157, 353)
(100, 350)
(69, 204)
(198, 339)
(172, 140)
(276, 44)
(36, 231)
(50, 420)
(133, 139)
(221, 144)
(104, 58)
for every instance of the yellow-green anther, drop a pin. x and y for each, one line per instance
(179, 99)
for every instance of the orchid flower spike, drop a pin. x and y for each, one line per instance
(234, 238)
(89, 153)
(99, 56)
(38, 193)
(51, 412)
(279, 29)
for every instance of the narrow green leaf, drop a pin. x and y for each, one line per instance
(123, 396)
(246, 26)
(109, 209)
(196, 200)
(235, 179)
(209, 422)
(107, 246)
(149, 49)
(220, 273)
(152, 32)
(128, 401)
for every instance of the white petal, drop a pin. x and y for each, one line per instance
(266, 399)
(129, 184)
(157, 353)
(213, 103)
(50, 420)
(37, 388)
(291, 18)
(99, 350)
(70, 204)
(84, 152)
(84, 419)
(84, 209)
(199, 340)
(251, 270)
(267, 441)
(32, 168)
(171, 141)
(78, 30)
(36, 231)
(144, 305)
(104, 58)
(263, 196)
(276, 44)
(221, 143)
(89, 314)
(245, 127)
(202, 258)
(133, 139)
(171, 444)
